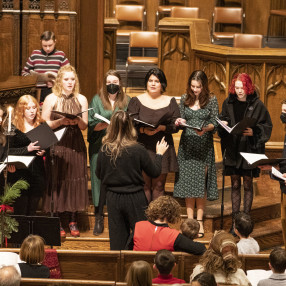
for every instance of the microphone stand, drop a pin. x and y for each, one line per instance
(222, 190)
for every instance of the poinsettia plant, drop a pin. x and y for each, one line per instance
(9, 224)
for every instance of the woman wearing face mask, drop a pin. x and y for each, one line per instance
(243, 101)
(110, 99)
(66, 163)
(27, 117)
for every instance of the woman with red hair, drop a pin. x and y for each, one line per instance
(243, 101)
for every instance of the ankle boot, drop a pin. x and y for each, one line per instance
(98, 225)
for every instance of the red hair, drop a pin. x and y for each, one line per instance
(248, 86)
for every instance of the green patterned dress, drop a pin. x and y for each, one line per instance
(196, 153)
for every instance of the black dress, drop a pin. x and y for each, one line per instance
(27, 203)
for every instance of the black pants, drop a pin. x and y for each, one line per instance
(124, 210)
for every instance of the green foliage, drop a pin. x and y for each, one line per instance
(9, 224)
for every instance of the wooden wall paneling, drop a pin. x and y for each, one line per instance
(63, 24)
(9, 39)
(110, 27)
(91, 46)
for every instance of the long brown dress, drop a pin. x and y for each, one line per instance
(66, 165)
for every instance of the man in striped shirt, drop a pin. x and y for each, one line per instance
(48, 59)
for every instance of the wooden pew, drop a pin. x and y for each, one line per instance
(66, 282)
(113, 265)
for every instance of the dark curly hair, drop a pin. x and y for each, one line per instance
(164, 207)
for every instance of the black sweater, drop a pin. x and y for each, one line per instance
(126, 175)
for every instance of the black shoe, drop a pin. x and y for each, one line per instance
(99, 225)
(232, 231)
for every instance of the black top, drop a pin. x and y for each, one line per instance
(34, 271)
(239, 108)
(126, 175)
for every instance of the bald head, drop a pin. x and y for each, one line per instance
(9, 276)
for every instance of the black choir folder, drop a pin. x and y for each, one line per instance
(20, 162)
(255, 160)
(44, 135)
(198, 127)
(69, 115)
(165, 118)
(239, 127)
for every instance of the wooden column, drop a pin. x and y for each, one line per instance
(90, 54)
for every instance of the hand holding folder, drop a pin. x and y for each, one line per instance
(240, 127)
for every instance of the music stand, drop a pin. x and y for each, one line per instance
(46, 227)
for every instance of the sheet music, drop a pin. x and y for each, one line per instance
(2, 167)
(26, 160)
(252, 157)
(101, 118)
(60, 133)
(277, 174)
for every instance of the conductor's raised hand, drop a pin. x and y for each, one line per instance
(161, 147)
(33, 146)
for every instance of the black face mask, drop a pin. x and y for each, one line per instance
(283, 117)
(112, 88)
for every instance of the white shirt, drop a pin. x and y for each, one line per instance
(248, 246)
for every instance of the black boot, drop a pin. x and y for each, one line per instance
(99, 223)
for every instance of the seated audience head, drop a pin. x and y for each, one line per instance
(243, 224)
(190, 228)
(204, 279)
(9, 276)
(153, 74)
(278, 260)
(48, 41)
(222, 254)
(165, 209)
(32, 250)
(139, 274)
(164, 261)
(120, 133)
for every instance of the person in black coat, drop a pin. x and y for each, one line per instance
(243, 101)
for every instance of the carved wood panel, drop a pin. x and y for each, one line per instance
(175, 60)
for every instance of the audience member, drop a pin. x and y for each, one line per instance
(190, 228)
(139, 274)
(243, 227)
(204, 279)
(221, 260)
(32, 252)
(278, 265)
(47, 59)
(9, 276)
(164, 263)
(155, 234)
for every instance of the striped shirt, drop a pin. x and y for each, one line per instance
(41, 62)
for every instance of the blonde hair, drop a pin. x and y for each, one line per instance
(32, 249)
(121, 98)
(21, 105)
(164, 207)
(139, 274)
(58, 87)
(221, 255)
(119, 135)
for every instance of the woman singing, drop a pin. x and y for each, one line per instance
(110, 99)
(66, 163)
(196, 180)
(243, 101)
(160, 110)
